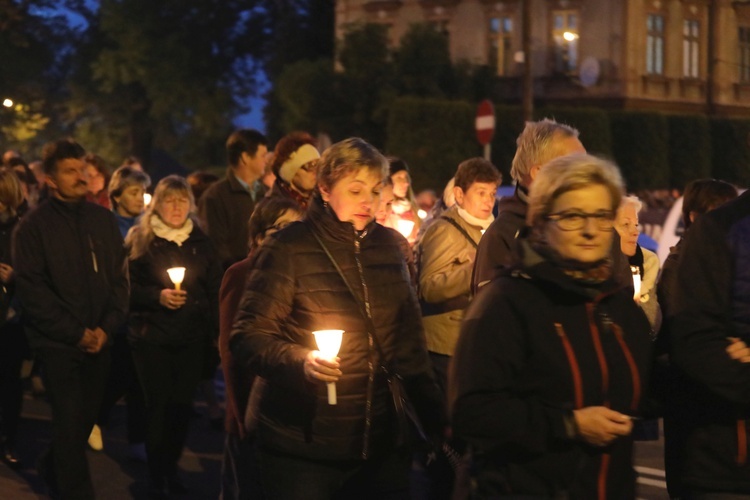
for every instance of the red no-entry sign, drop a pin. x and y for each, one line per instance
(485, 122)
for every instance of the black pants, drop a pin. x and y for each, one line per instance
(13, 350)
(440, 366)
(286, 477)
(240, 477)
(75, 384)
(169, 376)
(123, 381)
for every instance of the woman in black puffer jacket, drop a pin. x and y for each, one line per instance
(169, 327)
(306, 447)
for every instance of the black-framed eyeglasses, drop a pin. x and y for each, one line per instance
(573, 221)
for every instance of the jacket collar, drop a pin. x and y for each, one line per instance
(325, 221)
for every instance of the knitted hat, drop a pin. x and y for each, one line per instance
(304, 154)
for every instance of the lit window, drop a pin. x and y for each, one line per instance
(501, 54)
(655, 44)
(690, 47)
(565, 36)
(744, 53)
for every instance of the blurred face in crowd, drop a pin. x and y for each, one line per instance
(130, 203)
(173, 209)
(355, 197)
(627, 227)
(478, 199)
(95, 179)
(69, 180)
(401, 181)
(256, 163)
(580, 224)
(384, 207)
(306, 177)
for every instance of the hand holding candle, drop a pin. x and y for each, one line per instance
(329, 343)
(636, 283)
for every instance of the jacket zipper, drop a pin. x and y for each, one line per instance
(574, 368)
(93, 255)
(596, 338)
(370, 365)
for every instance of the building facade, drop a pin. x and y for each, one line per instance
(669, 55)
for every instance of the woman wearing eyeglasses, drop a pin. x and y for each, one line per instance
(553, 357)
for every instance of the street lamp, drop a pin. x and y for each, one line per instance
(8, 103)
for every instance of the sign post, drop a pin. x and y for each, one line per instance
(485, 126)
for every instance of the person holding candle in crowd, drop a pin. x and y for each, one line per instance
(644, 261)
(554, 355)
(307, 448)
(446, 256)
(404, 217)
(126, 189)
(169, 322)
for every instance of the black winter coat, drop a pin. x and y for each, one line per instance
(71, 272)
(536, 345)
(294, 290)
(198, 319)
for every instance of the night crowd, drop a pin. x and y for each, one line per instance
(513, 347)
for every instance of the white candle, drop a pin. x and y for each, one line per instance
(636, 283)
(177, 275)
(404, 227)
(329, 343)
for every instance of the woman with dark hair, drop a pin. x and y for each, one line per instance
(404, 217)
(98, 179)
(13, 346)
(553, 356)
(337, 269)
(169, 324)
(270, 215)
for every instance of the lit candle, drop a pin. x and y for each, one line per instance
(329, 343)
(177, 275)
(636, 283)
(405, 227)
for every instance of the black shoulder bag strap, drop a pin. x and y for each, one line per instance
(461, 230)
(408, 418)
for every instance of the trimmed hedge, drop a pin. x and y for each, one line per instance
(689, 149)
(731, 150)
(593, 125)
(640, 148)
(433, 136)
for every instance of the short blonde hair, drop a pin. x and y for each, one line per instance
(347, 156)
(568, 173)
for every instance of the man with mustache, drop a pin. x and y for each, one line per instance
(71, 277)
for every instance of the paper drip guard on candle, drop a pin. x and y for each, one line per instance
(177, 275)
(329, 343)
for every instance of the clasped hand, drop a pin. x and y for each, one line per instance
(92, 340)
(319, 368)
(599, 426)
(172, 299)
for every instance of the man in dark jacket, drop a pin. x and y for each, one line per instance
(71, 273)
(708, 325)
(226, 206)
(539, 143)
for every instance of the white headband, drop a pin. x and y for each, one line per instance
(304, 154)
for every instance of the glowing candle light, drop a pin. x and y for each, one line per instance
(405, 227)
(329, 343)
(636, 283)
(177, 275)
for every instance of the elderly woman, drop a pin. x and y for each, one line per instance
(644, 261)
(306, 447)
(552, 359)
(169, 326)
